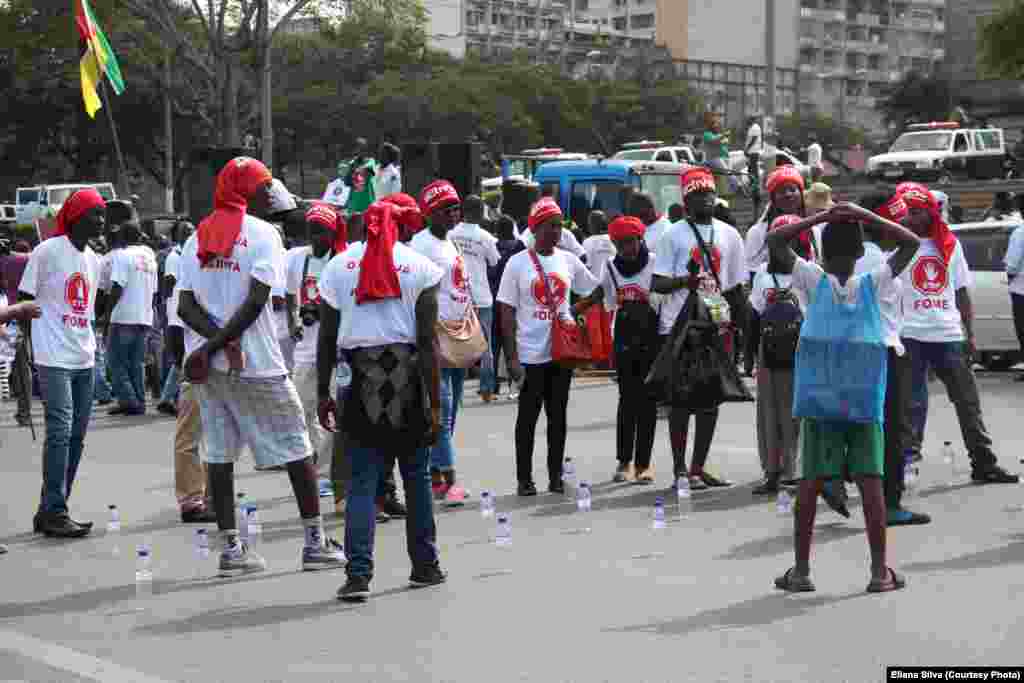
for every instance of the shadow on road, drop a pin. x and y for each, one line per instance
(780, 545)
(1012, 553)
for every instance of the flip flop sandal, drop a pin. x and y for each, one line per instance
(894, 582)
(792, 583)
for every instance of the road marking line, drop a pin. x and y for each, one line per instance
(78, 663)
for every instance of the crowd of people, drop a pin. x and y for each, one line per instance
(341, 357)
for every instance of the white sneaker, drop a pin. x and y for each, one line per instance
(331, 555)
(240, 562)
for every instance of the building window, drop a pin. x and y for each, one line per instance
(582, 5)
(830, 58)
(807, 28)
(642, 21)
(619, 23)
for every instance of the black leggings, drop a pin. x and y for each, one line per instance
(546, 385)
(638, 406)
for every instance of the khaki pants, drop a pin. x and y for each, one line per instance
(304, 377)
(189, 469)
(777, 429)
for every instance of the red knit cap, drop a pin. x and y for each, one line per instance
(784, 175)
(626, 226)
(697, 179)
(437, 195)
(544, 210)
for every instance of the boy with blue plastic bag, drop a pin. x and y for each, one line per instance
(840, 376)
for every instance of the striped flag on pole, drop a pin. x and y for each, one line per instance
(97, 59)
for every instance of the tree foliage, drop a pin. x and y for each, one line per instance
(1000, 50)
(917, 97)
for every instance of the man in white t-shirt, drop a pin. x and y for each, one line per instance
(720, 272)
(337, 191)
(938, 333)
(130, 302)
(814, 156)
(228, 269)
(169, 396)
(61, 276)
(598, 247)
(641, 205)
(479, 250)
(1014, 262)
(380, 311)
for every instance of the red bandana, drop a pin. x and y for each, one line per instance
(697, 179)
(626, 226)
(236, 182)
(940, 232)
(76, 206)
(325, 215)
(438, 195)
(784, 175)
(544, 210)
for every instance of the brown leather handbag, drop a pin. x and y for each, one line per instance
(570, 345)
(461, 343)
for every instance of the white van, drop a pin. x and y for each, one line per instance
(44, 201)
(984, 246)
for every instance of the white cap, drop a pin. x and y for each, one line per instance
(281, 199)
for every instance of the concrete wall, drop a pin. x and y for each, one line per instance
(729, 30)
(444, 26)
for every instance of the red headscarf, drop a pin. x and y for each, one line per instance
(894, 210)
(76, 206)
(409, 222)
(784, 175)
(378, 278)
(940, 232)
(325, 215)
(236, 182)
(790, 219)
(907, 186)
(437, 195)
(544, 210)
(697, 179)
(626, 226)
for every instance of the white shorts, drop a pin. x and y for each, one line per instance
(264, 414)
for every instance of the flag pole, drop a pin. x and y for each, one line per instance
(122, 172)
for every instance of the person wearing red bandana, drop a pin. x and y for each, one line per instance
(716, 251)
(379, 310)
(526, 306)
(626, 284)
(233, 359)
(938, 333)
(442, 206)
(61, 276)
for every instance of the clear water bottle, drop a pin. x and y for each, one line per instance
(242, 512)
(911, 479)
(202, 551)
(684, 497)
(584, 499)
(569, 477)
(486, 504)
(784, 503)
(503, 535)
(949, 460)
(114, 530)
(253, 526)
(143, 572)
(658, 522)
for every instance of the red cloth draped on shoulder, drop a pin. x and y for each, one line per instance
(236, 182)
(76, 206)
(378, 279)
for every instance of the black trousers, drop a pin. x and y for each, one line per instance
(1017, 302)
(547, 386)
(638, 406)
(897, 396)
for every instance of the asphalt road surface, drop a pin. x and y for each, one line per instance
(694, 602)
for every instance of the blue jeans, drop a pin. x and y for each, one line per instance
(67, 396)
(101, 390)
(360, 519)
(442, 455)
(170, 390)
(951, 366)
(127, 365)
(488, 380)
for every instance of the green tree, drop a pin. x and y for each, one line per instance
(917, 97)
(1000, 50)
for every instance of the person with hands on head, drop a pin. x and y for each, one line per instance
(938, 333)
(228, 269)
(61, 277)
(379, 310)
(527, 306)
(833, 446)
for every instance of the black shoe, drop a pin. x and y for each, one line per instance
(556, 487)
(104, 401)
(767, 487)
(526, 489)
(84, 525)
(201, 515)
(118, 410)
(61, 526)
(834, 493)
(994, 474)
(429, 575)
(394, 508)
(904, 517)
(167, 409)
(22, 420)
(356, 589)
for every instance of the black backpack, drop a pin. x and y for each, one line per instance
(636, 323)
(780, 329)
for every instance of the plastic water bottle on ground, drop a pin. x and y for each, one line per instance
(949, 460)
(143, 572)
(784, 503)
(114, 531)
(584, 503)
(486, 504)
(254, 528)
(911, 480)
(658, 522)
(202, 551)
(684, 497)
(242, 512)
(503, 535)
(569, 477)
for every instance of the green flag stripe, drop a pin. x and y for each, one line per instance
(111, 67)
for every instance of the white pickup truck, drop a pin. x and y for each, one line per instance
(42, 202)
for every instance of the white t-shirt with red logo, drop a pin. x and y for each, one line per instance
(522, 289)
(63, 281)
(929, 294)
(679, 245)
(453, 295)
(389, 321)
(618, 288)
(306, 293)
(134, 269)
(222, 286)
(766, 288)
(479, 250)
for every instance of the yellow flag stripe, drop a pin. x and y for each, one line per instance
(89, 69)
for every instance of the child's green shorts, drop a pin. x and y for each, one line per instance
(831, 447)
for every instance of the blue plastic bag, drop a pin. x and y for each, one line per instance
(841, 360)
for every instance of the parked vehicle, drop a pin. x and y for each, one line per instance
(44, 201)
(942, 152)
(8, 215)
(766, 163)
(606, 184)
(984, 246)
(657, 150)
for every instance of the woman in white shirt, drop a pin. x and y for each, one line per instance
(388, 180)
(527, 305)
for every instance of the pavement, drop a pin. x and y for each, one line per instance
(694, 602)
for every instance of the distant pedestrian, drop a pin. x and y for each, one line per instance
(814, 157)
(12, 266)
(1014, 262)
(389, 178)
